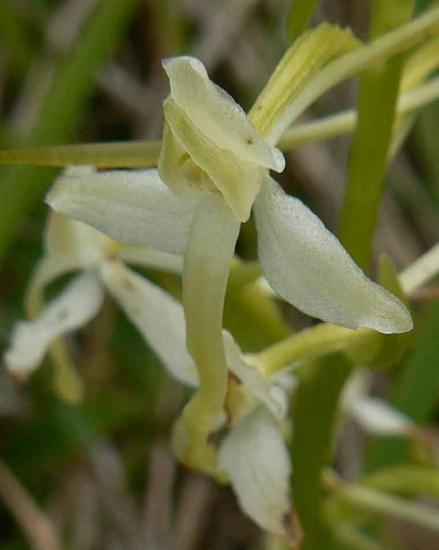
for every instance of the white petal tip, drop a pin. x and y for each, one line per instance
(255, 457)
(309, 268)
(278, 161)
(391, 317)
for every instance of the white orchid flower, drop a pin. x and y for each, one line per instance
(73, 246)
(215, 165)
(373, 414)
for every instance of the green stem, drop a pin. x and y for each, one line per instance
(144, 154)
(408, 480)
(324, 339)
(320, 340)
(131, 154)
(207, 263)
(421, 271)
(390, 506)
(345, 122)
(352, 538)
(315, 409)
(372, 140)
(360, 59)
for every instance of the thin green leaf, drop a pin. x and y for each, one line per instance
(393, 346)
(299, 16)
(405, 480)
(380, 504)
(73, 84)
(101, 155)
(415, 391)
(427, 137)
(15, 38)
(314, 413)
(372, 139)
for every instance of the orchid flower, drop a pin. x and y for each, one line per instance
(373, 414)
(73, 246)
(213, 168)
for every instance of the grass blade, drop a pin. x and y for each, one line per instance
(64, 104)
(299, 16)
(372, 139)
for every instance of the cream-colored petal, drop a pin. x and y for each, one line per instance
(378, 417)
(133, 207)
(238, 181)
(151, 258)
(178, 170)
(253, 381)
(73, 241)
(309, 268)
(77, 305)
(69, 246)
(373, 414)
(216, 114)
(255, 457)
(48, 269)
(158, 317)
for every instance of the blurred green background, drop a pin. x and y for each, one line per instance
(74, 71)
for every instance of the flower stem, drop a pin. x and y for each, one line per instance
(364, 57)
(345, 122)
(420, 271)
(144, 154)
(384, 504)
(206, 270)
(317, 341)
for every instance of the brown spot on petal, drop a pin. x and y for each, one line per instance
(137, 312)
(62, 315)
(234, 377)
(128, 285)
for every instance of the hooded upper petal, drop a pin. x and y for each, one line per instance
(158, 317)
(133, 207)
(238, 181)
(217, 115)
(77, 305)
(309, 268)
(208, 139)
(255, 457)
